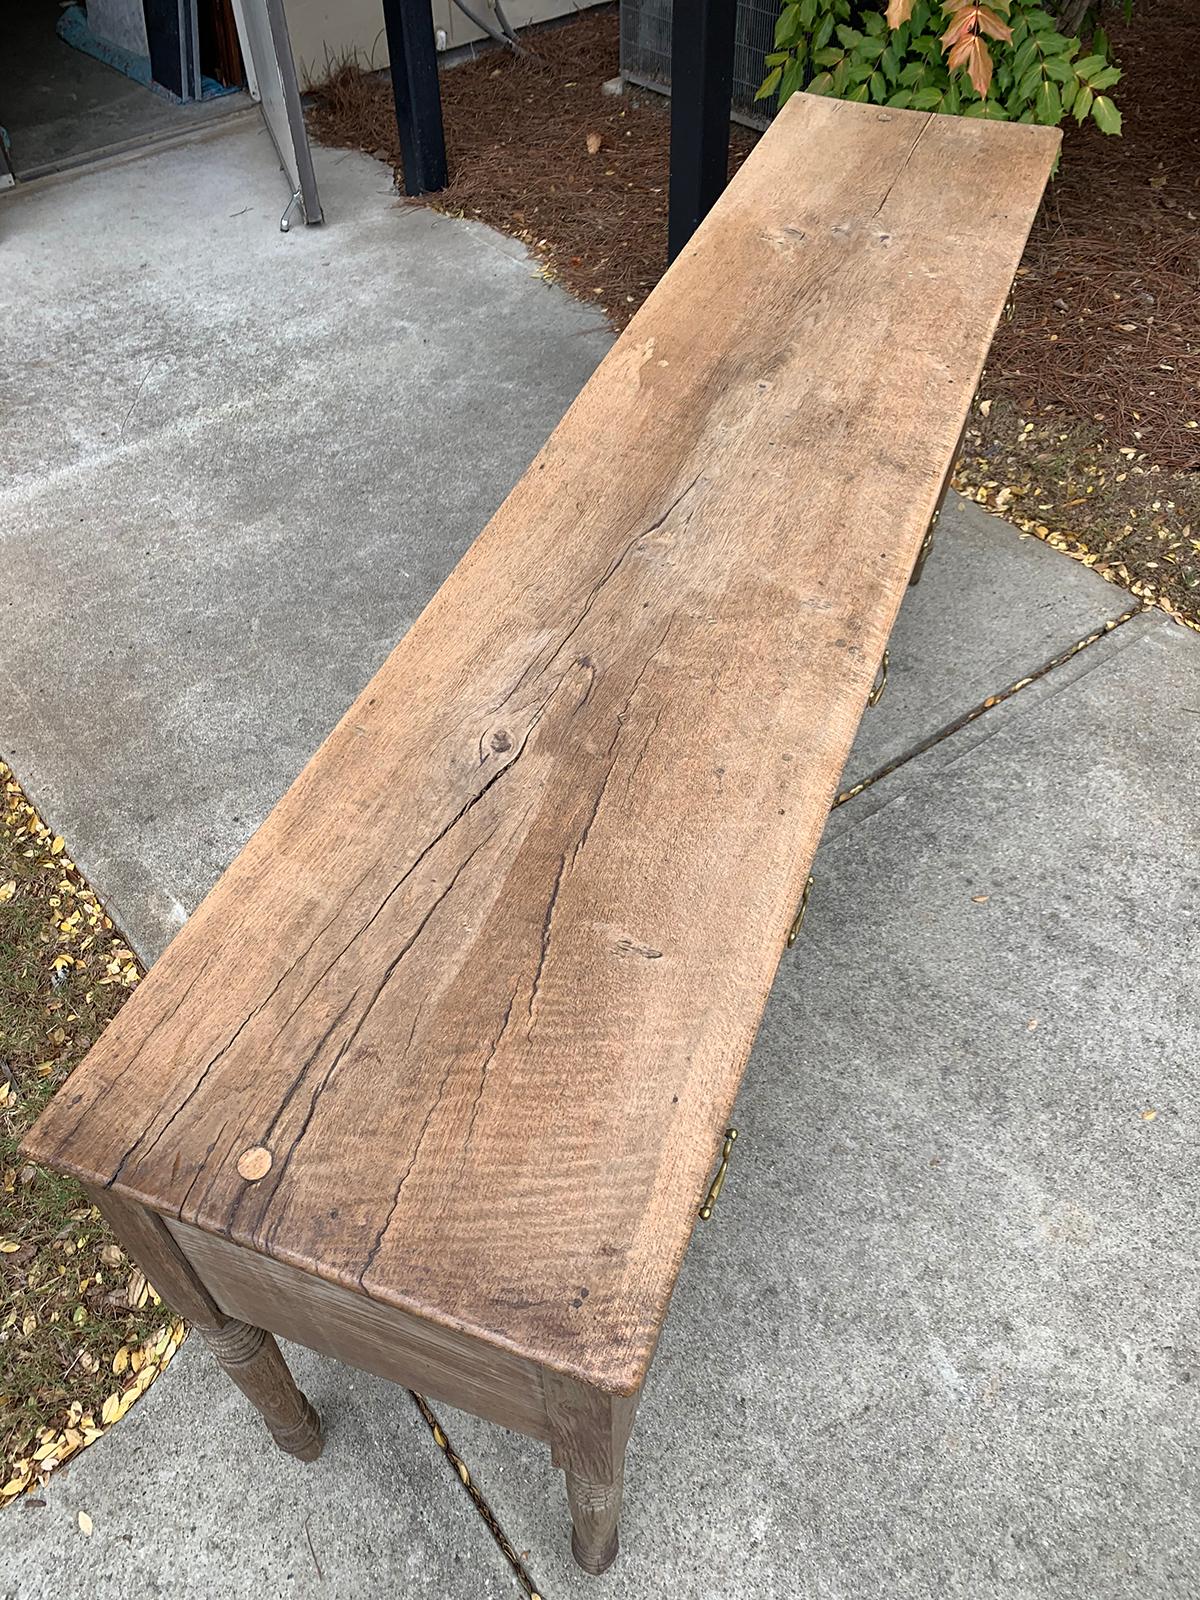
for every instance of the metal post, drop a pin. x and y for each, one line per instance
(702, 35)
(409, 25)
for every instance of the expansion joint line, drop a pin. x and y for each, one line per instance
(462, 1471)
(992, 700)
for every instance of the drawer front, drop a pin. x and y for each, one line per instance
(436, 1361)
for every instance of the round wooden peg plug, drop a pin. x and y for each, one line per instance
(255, 1163)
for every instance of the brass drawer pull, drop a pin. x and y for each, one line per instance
(718, 1183)
(798, 920)
(876, 694)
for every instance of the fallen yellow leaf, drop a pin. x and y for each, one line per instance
(85, 1524)
(7, 890)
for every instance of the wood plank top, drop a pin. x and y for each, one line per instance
(484, 983)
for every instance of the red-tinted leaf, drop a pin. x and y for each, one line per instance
(963, 41)
(979, 66)
(988, 22)
(961, 28)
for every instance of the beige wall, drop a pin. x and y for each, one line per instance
(324, 30)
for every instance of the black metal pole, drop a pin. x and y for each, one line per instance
(702, 35)
(409, 25)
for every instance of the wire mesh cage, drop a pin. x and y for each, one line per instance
(646, 50)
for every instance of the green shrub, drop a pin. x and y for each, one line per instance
(1013, 60)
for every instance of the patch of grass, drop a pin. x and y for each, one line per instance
(82, 1334)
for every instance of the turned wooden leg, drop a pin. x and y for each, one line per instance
(588, 1433)
(255, 1363)
(248, 1354)
(595, 1513)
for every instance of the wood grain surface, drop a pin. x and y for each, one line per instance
(484, 983)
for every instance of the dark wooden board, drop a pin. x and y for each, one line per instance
(485, 982)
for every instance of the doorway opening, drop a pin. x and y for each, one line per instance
(79, 82)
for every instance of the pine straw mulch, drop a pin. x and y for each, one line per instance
(1107, 324)
(1088, 429)
(1087, 434)
(82, 1334)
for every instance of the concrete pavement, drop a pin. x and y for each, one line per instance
(239, 463)
(940, 1336)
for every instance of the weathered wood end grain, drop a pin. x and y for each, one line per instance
(484, 983)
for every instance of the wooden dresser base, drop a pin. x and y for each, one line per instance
(238, 1301)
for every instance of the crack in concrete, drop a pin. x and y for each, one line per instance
(487, 1516)
(989, 704)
